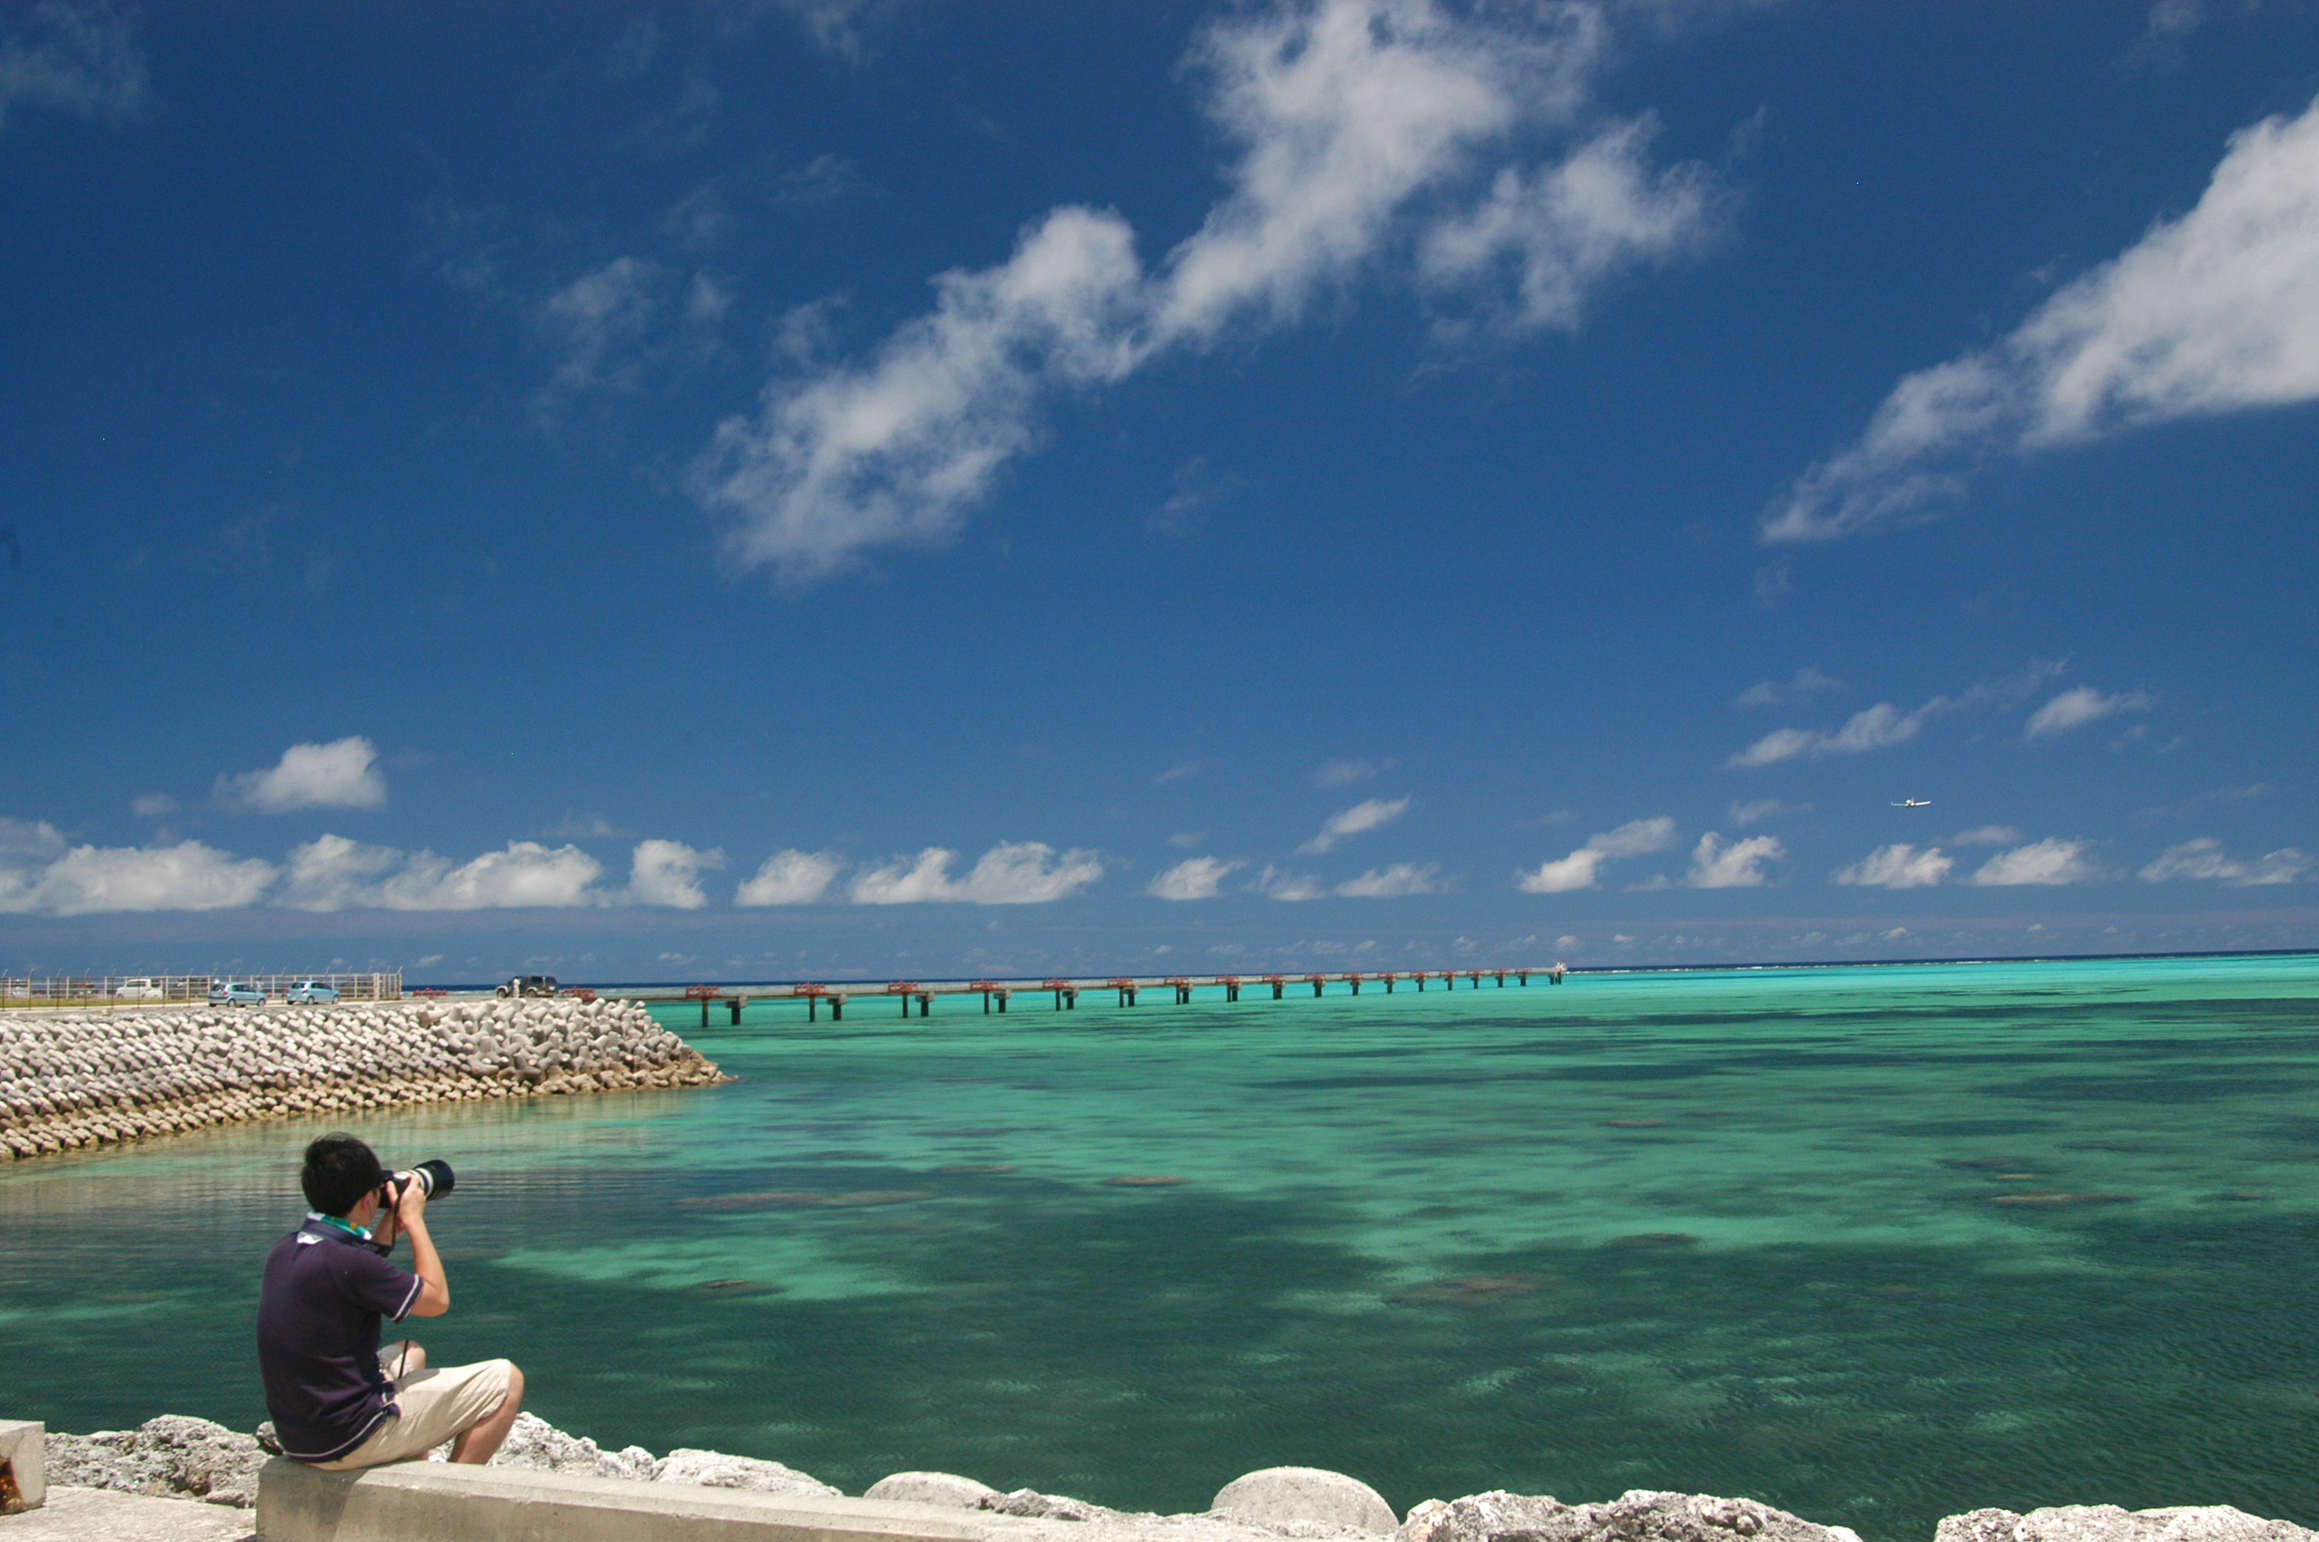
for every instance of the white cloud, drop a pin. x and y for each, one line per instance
(2083, 704)
(75, 58)
(1179, 771)
(1872, 728)
(2204, 858)
(153, 805)
(1563, 229)
(790, 878)
(1011, 873)
(1196, 879)
(1736, 866)
(1898, 866)
(1344, 116)
(1273, 883)
(1363, 816)
(1807, 682)
(39, 873)
(2049, 861)
(668, 873)
(334, 873)
(1986, 835)
(1579, 869)
(2216, 312)
(897, 450)
(1392, 882)
(341, 774)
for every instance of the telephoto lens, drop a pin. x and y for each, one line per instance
(433, 1176)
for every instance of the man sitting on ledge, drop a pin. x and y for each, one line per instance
(338, 1401)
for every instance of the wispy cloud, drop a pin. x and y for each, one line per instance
(2213, 313)
(2080, 705)
(1355, 124)
(791, 878)
(1898, 867)
(80, 58)
(1402, 878)
(1011, 873)
(2205, 859)
(1580, 869)
(1197, 879)
(1806, 683)
(341, 774)
(1752, 811)
(1884, 724)
(1277, 883)
(1363, 816)
(1986, 835)
(1350, 769)
(2049, 861)
(1872, 728)
(1180, 771)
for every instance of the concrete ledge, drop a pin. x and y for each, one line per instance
(439, 1502)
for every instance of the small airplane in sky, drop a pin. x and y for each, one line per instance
(1914, 803)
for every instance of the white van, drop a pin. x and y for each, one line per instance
(140, 988)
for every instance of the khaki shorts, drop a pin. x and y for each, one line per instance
(435, 1405)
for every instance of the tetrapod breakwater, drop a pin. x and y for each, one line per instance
(72, 1080)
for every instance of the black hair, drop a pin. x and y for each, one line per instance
(339, 1170)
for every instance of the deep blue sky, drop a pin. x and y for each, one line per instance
(1356, 485)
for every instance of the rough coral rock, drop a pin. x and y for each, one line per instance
(2109, 1523)
(934, 1488)
(1304, 1502)
(1046, 1507)
(170, 1457)
(714, 1469)
(1638, 1515)
(1479, 1517)
(538, 1445)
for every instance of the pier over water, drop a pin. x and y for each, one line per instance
(1064, 992)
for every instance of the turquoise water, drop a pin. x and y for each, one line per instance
(1874, 1245)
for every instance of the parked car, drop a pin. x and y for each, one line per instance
(140, 988)
(311, 993)
(231, 993)
(530, 985)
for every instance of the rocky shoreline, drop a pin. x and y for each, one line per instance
(183, 1458)
(73, 1080)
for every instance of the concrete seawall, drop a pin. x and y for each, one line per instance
(71, 1080)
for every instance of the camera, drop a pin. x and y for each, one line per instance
(434, 1178)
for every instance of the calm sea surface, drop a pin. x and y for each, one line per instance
(1873, 1245)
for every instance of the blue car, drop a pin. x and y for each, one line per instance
(228, 993)
(310, 993)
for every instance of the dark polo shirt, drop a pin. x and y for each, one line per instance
(318, 1322)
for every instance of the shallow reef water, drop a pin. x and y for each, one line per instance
(1874, 1245)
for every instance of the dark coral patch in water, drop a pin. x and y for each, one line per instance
(956, 1169)
(1655, 1239)
(1142, 1181)
(2055, 1199)
(1632, 1124)
(803, 1199)
(1471, 1289)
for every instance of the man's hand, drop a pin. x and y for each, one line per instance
(434, 1289)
